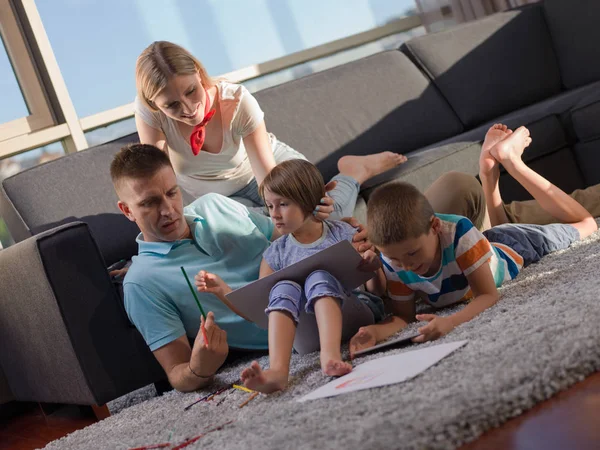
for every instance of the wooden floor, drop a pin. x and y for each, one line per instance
(570, 420)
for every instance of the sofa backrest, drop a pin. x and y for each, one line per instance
(76, 187)
(381, 102)
(491, 66)
(575, 29)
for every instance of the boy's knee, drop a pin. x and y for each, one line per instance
(321, 284)
(285, 296)
(458, 193)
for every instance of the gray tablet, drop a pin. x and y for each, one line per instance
(341, 260)
(389, 344)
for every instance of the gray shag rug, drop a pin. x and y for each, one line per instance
(540, 338)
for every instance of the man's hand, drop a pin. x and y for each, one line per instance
(365, 338)
(435, 329)
(370, 262)
(360, 240)
(207, 357)
(325, 208)
(212, 283)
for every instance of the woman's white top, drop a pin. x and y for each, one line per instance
(225, 172)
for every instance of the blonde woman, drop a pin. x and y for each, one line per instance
(215, 134)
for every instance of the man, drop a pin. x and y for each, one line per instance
(214, 233)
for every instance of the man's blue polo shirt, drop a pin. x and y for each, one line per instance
(228, 240)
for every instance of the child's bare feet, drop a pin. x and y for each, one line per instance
(266, 381)
(487, 163)
(332, 364)
(509, 150)
(365, 338)
(361, 168)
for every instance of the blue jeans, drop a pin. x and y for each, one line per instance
(358, 308)
(533, 242)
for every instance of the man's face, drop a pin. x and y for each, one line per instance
(156, 205)
(420, 255)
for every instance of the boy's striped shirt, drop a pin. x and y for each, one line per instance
(463, 249)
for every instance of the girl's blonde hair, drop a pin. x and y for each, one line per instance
(160, 61)
(297, 180)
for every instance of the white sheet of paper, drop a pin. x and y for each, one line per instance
(341, 260)
(383, 371)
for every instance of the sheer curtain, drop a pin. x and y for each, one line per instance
(439, 14)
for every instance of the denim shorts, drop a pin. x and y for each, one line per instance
(289, 296)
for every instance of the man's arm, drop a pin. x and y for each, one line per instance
(188, 368)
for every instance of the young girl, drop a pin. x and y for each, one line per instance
(289, 192)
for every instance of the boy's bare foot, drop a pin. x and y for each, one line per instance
(332, 365)
(361, 168)
(487, 163)
(509, 150)
(266, 381)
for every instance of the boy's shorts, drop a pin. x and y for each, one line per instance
(533, 242)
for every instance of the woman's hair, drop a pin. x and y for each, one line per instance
(297, 180)
(160, 61)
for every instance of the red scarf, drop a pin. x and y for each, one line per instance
(199, 133)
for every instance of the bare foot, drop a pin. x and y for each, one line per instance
(361, 168)
(332, 365)
(487, 163)
(365, 338)
(266, 381)
(509, 150)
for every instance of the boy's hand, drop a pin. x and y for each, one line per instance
(207, 357)
(370, 262)
(435, 329)
(365, 338)
(211, 283)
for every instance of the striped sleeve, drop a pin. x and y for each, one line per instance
(399, 291)
(471, 248)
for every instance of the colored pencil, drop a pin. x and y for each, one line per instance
(252, 396)
(193, 292)
(243, 388)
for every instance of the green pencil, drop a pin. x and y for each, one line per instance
(193, 292)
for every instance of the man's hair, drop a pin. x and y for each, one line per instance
(137, 161)
(397, 211)
(297, 180)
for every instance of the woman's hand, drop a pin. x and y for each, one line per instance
(325, 208)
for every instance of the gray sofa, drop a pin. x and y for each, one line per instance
(64, 335)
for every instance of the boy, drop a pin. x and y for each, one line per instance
(445, 260)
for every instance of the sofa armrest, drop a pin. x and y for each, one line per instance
(63, 334)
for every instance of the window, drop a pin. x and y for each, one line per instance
(23, 108)
(98, 64)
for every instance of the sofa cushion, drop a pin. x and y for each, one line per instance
(585, 117)
(560, 167)
(492, 66)
(381, 102)
(575, 33)
(588, 157)
(75, 187)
